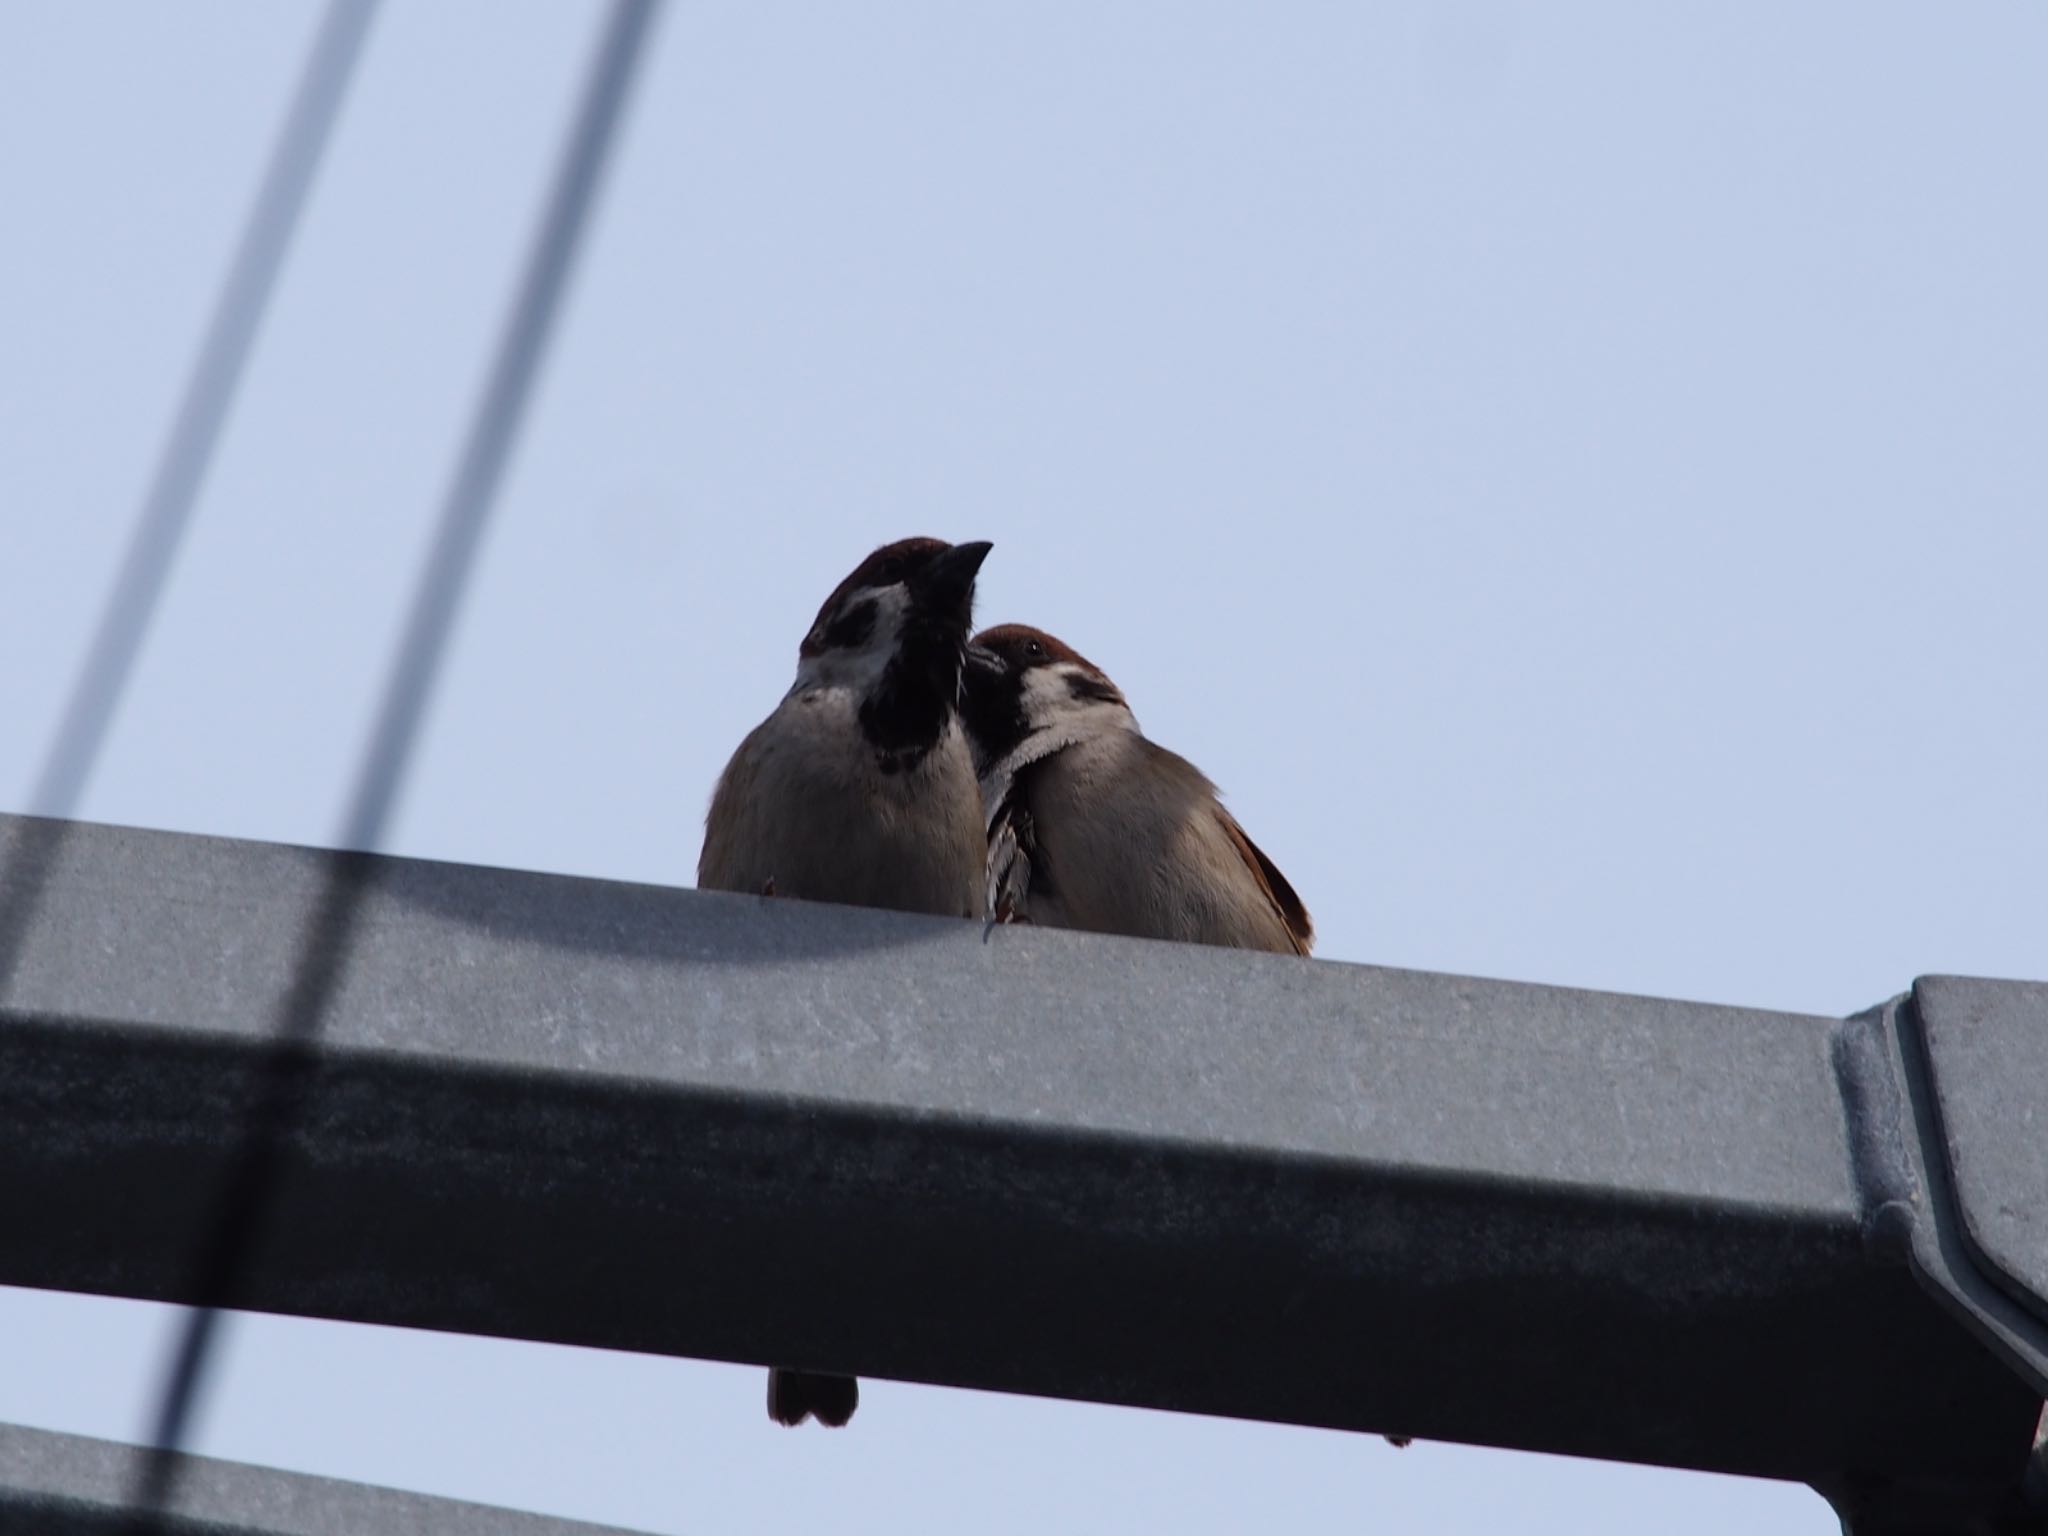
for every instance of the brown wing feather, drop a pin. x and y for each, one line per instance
(1299, 928)
(1009, 865)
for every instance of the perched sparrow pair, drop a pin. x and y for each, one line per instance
(909, 767)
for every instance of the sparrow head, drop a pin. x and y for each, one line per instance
(894, 632)
(912, 587)
(1029, 694)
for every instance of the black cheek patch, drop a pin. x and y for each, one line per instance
(1084, 685)
(851, 628)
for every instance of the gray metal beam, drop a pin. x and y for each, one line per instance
(68, 1485)
(1986, 1050)
(750, 1129)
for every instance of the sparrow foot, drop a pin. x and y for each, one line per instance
(1005, 912)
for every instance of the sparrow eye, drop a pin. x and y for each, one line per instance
(1034, 650)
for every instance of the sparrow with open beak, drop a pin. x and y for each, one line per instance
(1091, 825)
(860, 787)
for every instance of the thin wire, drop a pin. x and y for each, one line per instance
(182, 463)
(285, 1074)
(203, 408)
(498, 418)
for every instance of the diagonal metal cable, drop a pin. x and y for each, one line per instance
(278, 1096)
(187, 453)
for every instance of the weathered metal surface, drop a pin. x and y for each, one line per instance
(1986, 1046)
(69, 1485)
(1054, 1163)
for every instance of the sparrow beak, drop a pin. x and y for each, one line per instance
(946, 584)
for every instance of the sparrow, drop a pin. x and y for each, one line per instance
(1092, 825)
(861, 787)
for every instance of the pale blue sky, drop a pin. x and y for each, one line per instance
(1576, 475)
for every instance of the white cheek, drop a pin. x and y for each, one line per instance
(1049, 701)
(1045, 690)
(858, 667)
(1051, 706)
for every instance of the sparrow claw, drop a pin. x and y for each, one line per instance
(1005, 912)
